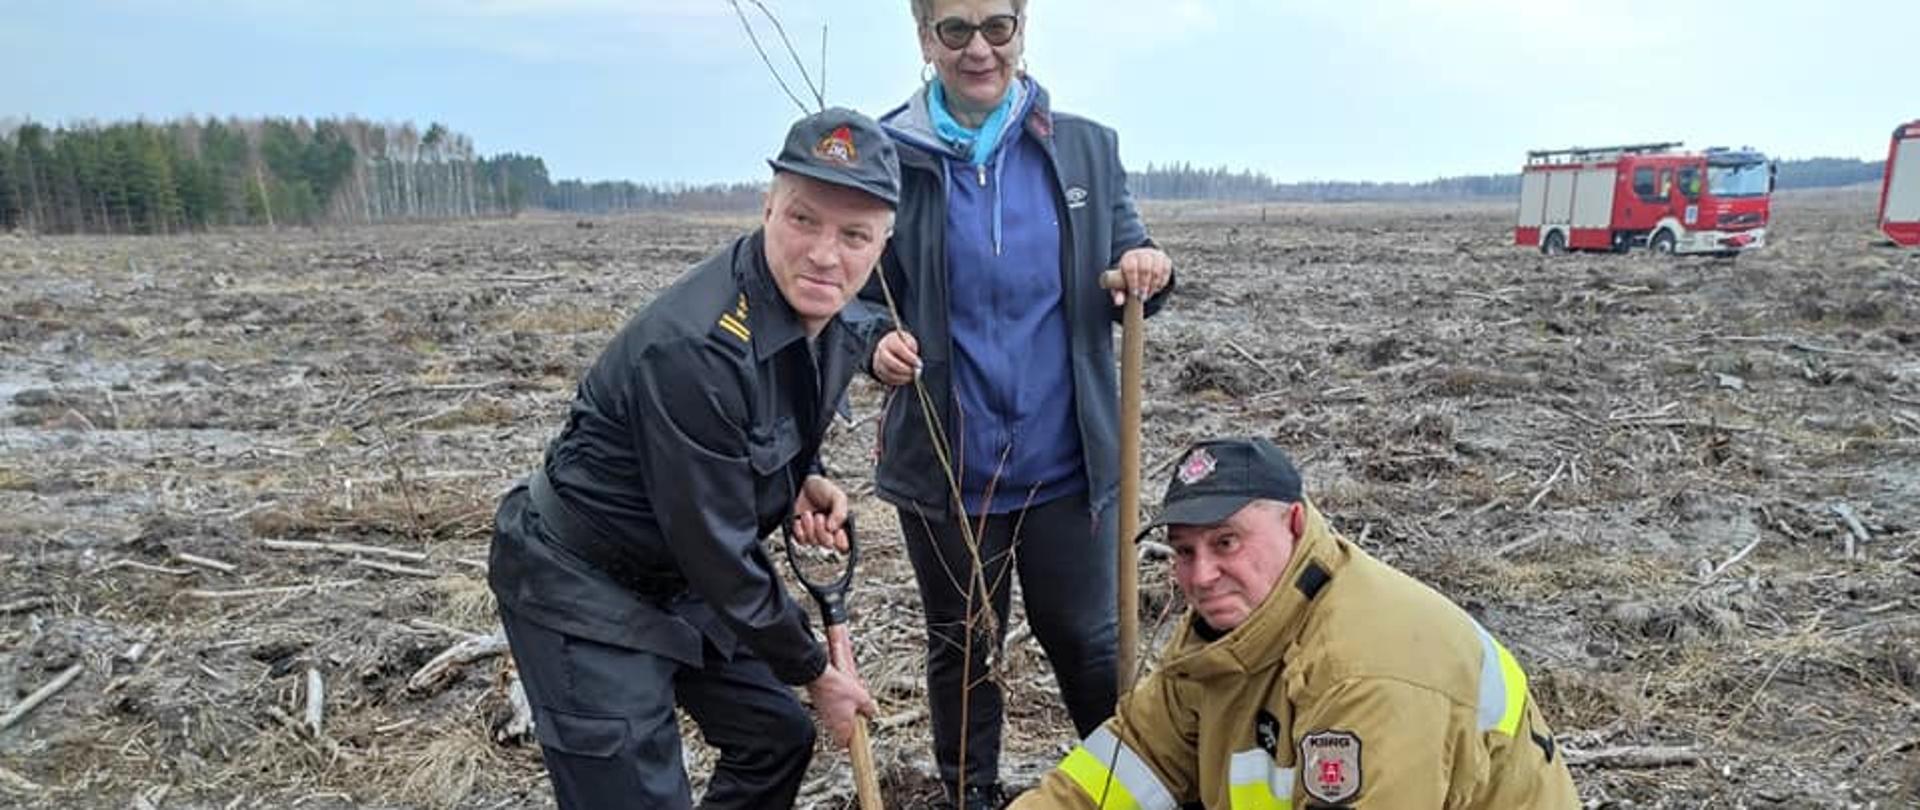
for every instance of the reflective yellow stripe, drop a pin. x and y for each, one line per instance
(1516, 683)
(1113, 776)
(1255, 783)
(1503, 686)
(738, 329)
(1097, 781)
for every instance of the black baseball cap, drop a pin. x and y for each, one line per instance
(1220, 477)
(842, 147)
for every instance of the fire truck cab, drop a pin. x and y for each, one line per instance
(1616, 198)
(1900, 190)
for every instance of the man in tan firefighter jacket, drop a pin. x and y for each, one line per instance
(1308, 674)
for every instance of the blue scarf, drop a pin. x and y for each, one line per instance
(978, 144)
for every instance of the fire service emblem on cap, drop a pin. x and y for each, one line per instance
(1199, 465)
(837, 147)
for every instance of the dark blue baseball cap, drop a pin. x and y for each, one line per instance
(843, 147)
(1220, 477)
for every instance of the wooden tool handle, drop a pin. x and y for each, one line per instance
(1132, 357)
(866, 775)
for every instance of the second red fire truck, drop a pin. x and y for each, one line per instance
(1900, 191)
(1653, 195)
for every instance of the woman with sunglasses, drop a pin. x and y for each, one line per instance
(1009, 212)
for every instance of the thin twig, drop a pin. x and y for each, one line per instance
(1548, 487)
(1521, 543)
(28, 604)
(755, 39)
(394, 568)
(1257, 362)
(205, 562)
(148, 567)
(1732, 561)
(819, 100)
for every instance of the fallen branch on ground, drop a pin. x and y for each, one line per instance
(15, 783)
(316, 701)
(26, 605)
(206, 562)
(242, 593)
(1632, 756)
(1856, 530)
(41, 695)
(393, 568)
(443, 666)
(1731, 561)
(345, 549)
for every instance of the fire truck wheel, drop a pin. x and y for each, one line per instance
(1555, 244)
(1662, 243)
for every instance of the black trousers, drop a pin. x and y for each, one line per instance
(1064, 558)
(605, 719)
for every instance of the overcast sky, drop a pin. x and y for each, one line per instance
(671, 90)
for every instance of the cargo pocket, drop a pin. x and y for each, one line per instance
(580, 735)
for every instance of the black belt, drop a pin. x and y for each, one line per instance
(567, 529)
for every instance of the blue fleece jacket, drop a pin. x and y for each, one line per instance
(1016, 441)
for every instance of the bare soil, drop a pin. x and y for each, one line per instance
(1638, 473)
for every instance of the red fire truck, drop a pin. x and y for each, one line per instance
(1649, 195)
(1900, 191)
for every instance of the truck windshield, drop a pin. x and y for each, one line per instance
(1744, 180)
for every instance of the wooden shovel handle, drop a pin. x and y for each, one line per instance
(866, 775)
(1132, 355)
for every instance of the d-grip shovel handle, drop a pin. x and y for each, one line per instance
(830, 596)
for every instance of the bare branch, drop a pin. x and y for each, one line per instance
(820, 101)
(755, 39)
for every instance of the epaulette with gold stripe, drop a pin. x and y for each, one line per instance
(734, 323)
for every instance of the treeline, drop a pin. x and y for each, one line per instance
(620, 196)
(194, 174)
(1829, 172)
(1185, 182)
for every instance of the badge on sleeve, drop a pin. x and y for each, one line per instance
(1330, 765)
(1266, 732)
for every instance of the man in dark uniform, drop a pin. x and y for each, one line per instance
(629, 569)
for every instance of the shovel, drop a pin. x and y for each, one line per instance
(831, 597)
(1132, 350)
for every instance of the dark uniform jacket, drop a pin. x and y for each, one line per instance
(1100, 224)
(686, 443)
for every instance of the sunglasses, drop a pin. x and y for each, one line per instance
(998, 30)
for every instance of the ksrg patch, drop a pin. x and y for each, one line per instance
(1330, 765)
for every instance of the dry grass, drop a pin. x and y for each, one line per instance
(465, 602)
(446, 772)
(565, 320)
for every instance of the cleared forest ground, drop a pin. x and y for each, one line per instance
(1686, 494)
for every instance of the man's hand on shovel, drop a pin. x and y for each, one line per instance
(839, 696)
